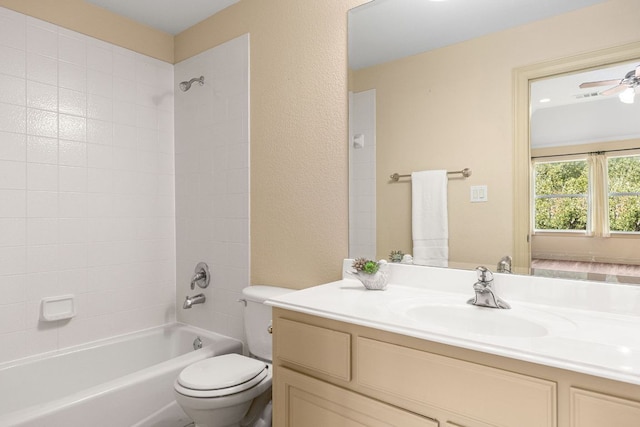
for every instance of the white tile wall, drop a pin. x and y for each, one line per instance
(86, 186)
(362, 175)
(212, 183)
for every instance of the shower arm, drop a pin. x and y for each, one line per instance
(186, 85)
(197, 79)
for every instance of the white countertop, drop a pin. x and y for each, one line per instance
(596, 335)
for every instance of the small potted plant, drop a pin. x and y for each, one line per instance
(396, 256)
(373, 275)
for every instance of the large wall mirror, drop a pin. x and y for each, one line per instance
(450, 105)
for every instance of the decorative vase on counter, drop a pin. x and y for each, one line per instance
(374, 281)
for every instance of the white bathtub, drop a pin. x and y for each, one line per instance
(111, 383)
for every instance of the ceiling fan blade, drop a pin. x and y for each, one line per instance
(614, 90)
(600, 83)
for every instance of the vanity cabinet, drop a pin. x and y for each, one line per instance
(331, 373)
(589, 409)
(313, 403)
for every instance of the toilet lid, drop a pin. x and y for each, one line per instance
(223, 372)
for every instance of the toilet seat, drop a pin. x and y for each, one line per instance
(221, 376)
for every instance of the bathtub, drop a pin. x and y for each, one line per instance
(111, 383)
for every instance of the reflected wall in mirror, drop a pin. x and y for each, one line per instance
(451, 108)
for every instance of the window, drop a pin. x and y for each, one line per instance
(561, 195)
(571, 195)
(624, 193)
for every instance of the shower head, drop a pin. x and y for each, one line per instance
(184, 86)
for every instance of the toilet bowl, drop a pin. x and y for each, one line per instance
(219, 391)
(233, 390)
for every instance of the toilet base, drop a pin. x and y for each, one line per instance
(259, 414)
(238, 410)
(222, 417)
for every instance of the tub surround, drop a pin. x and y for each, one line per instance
(87, 189)
(212, 174)
(585, 327)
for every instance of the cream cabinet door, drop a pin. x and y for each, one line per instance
(302, 401)
(472, 391)
(589, 409)
(319, 349)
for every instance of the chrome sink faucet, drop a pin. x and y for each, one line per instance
(504, 265)
(485, 294)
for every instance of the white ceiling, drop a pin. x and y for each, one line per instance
(170, 16)
(379, 31)
(563, 90)
(385, 30)
(569, 118)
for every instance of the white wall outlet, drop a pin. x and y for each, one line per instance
(479, 193)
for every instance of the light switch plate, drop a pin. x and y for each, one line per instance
(479, 193)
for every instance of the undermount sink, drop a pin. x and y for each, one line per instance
(479, 320)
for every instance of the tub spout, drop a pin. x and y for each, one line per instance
(191, 301)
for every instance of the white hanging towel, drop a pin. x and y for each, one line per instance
(430, 226)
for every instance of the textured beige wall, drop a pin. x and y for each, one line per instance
(459, 114)
(94, 21)
(299, 164)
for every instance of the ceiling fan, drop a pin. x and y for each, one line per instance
(624, 87)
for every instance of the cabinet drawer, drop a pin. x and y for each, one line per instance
(322, 350)
(589, 409)
(475, 391)
(308, 402)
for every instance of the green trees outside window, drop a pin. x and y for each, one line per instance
(562, 201)
(624, 193)
(561, 195)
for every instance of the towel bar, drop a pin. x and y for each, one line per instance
(466, 172)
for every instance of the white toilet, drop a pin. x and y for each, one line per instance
(232, 390)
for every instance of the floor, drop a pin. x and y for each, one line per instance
(606, 272)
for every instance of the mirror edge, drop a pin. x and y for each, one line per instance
(521, 162)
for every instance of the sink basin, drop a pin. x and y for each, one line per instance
(446, 314)
(475, 320)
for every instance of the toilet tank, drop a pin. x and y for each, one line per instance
(257, 318)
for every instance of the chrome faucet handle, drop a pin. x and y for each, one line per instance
(485, 294)
(504, 265)
(485, 276)
(196, 277)
(201, 276)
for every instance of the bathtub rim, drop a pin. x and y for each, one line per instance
(113, 339)
(220, 344)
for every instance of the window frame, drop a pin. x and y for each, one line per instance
(614, 155)
(587, 196)
(590, 208)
